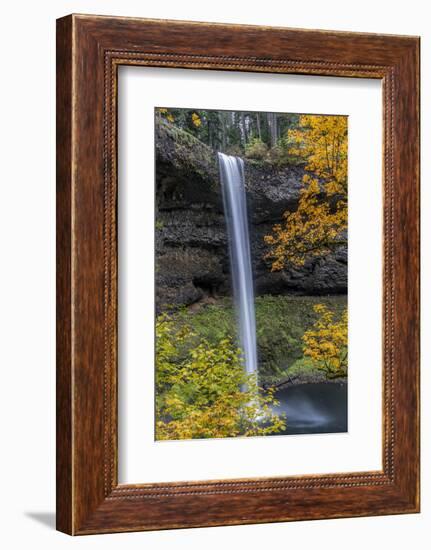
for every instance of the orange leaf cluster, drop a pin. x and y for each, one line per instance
(318, 224)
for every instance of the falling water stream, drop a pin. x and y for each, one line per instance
(235, 207)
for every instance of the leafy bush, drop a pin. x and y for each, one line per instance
(256, 149)
(326, 342)
(235, 150)
(279, 156)
(202, 389)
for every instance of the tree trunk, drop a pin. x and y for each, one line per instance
(243, 130)
(224, 131)
(272, 124)
(259, 132)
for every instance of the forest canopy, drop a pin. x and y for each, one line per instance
(255, 135)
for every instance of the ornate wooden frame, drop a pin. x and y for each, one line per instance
(89, 51)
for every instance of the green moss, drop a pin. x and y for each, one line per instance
(192, 154)
(280, 323)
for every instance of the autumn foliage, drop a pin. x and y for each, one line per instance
(203, 391)
(325, 343)
(318, 224)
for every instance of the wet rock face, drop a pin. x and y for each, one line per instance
(272, 192)
(192, 255)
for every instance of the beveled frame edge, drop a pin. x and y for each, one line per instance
(89, 499)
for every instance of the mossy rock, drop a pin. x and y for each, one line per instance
(280, 324)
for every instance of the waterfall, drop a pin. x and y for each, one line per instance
(235, 207)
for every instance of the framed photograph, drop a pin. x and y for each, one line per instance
(237, 274)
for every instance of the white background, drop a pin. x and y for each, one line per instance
(141, 458)
(27, 274)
